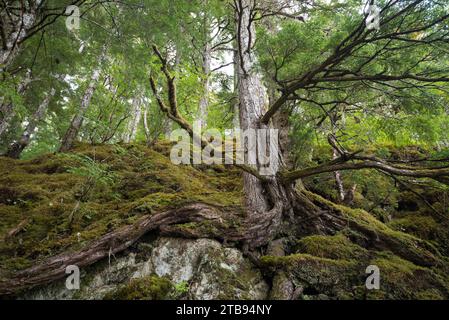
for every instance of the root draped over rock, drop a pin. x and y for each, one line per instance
(113, 242)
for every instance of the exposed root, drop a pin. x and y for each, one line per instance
(198, 220)
(109, 244)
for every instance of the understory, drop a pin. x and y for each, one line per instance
(140, 227)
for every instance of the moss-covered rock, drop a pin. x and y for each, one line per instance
(165, 268)
(147, 288)
(333, 247)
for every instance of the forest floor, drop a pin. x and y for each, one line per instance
(59, 203)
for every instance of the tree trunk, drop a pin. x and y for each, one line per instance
(168, 126)
(333, 117)
(14, 30)
(266, 201)
(252, 98)
(338, 180)
(7, 109)
(133, 124)
(8, 114)
(146, 126)
(236, 118)
(16, 148)
(77, 121)
(206, 69)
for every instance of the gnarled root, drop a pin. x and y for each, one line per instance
(111, 243)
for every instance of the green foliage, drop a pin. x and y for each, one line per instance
(91, 169)
(182, 288)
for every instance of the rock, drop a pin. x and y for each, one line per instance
(204, 267)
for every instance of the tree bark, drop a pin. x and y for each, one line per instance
(77, 121)
(206, 70)
(236, 118)
(252, 98)
(18, 25)
(338, 180)
(145, 126)
(16, 148)
(268, 202)
(133, 124)
(333, 117)
(7, 109)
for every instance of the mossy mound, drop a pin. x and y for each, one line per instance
(332, 247)
(345, 278)
(60, 202)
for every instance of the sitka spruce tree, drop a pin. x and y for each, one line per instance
(338, 84)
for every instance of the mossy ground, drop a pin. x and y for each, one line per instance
(62, 202)
(57, 197)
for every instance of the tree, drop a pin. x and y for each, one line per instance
(19, 21)
(133, 123)
(321, 64)
(272, 200)
(77, 121)
(18, 146)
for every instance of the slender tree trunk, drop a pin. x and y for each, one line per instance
(77, 121)
(146, 126)
(337, 175)
(206, 70)
(8, 114)
(133, 124)
(338, 179)
(7, 109)
(168, 127)
(236, 118)
(14, 30)
(16, 148)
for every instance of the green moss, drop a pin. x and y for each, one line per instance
(46, 190)
(394, 266)
(333, 247)
(334, 278)
(429, 294)
(401, 279)
(295, 260)
(422, 226)
(403, 244)
(147, 288)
